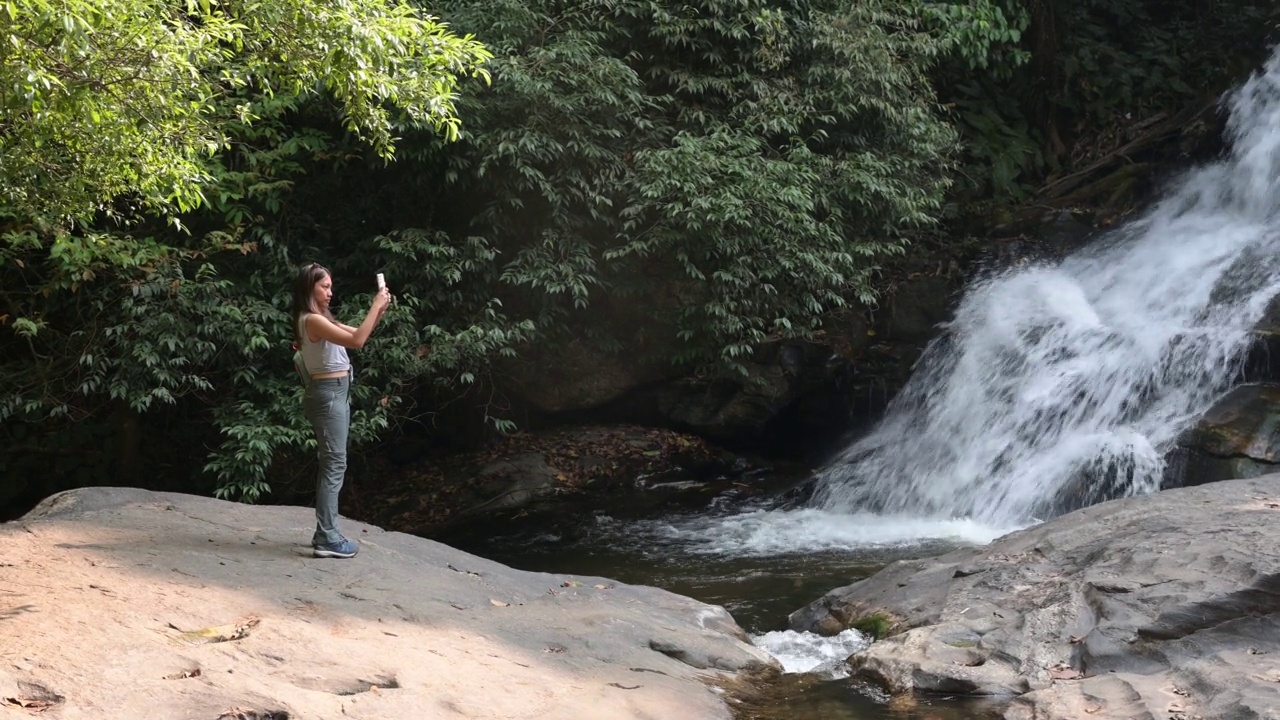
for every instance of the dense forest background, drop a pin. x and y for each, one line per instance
(557, 191)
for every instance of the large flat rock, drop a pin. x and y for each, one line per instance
(1164, 607)
(122, 603)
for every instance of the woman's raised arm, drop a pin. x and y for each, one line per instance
(320, 327)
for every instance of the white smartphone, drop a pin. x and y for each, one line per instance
(382, 282)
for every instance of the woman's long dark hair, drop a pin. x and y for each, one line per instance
(303, 291)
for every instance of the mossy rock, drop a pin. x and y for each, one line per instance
(878, 625)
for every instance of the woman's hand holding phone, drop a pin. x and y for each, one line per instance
(382, 299)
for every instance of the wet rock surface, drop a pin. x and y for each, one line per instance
(1158, 607)
(1238, 438)
(1244, 423)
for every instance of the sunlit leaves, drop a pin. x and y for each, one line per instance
(148, 149)
(106, 99)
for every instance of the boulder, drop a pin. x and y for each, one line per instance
(726, 411)
(1263, 360)
(123, 603)
(577, 375)
(917, 307)
(1163, 606)
(1245, 422)
(791, 391)
(514, 482)
(1238, 437)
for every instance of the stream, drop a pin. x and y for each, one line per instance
(760, 560)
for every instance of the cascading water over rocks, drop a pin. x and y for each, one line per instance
(1060, 385)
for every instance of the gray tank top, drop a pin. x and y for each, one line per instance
(321, 356)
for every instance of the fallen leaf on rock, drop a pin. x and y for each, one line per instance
(1062, 672)
(217, 633)
(570, 583)
(31, 705)
(242, 714)
(602, 587)
(499, 603)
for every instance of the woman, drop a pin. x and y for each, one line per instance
(323, 342)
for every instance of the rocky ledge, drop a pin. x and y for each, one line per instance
(1164, 607)
(121, 603)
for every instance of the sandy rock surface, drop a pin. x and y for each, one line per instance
(1164, 607)
(122, 603)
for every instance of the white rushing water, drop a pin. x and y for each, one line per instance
(765, 533)
(1060, 385)
(806, 652)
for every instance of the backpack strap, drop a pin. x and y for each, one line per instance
(299, 363)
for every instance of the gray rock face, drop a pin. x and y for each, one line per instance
(122, 603)
(1238, 438)
(1158, 607)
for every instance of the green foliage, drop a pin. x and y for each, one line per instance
(1067, 82)
(1132, 58)
(1002, 149)
(985, 35)
(761, 258)
(737, 165)
(149, 151)
(128, 99)
(723, 171)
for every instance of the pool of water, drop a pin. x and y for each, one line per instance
(809, 697)
(760, 564)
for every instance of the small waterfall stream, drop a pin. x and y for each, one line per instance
(1057, 386)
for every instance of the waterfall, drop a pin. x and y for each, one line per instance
(1058, 385)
